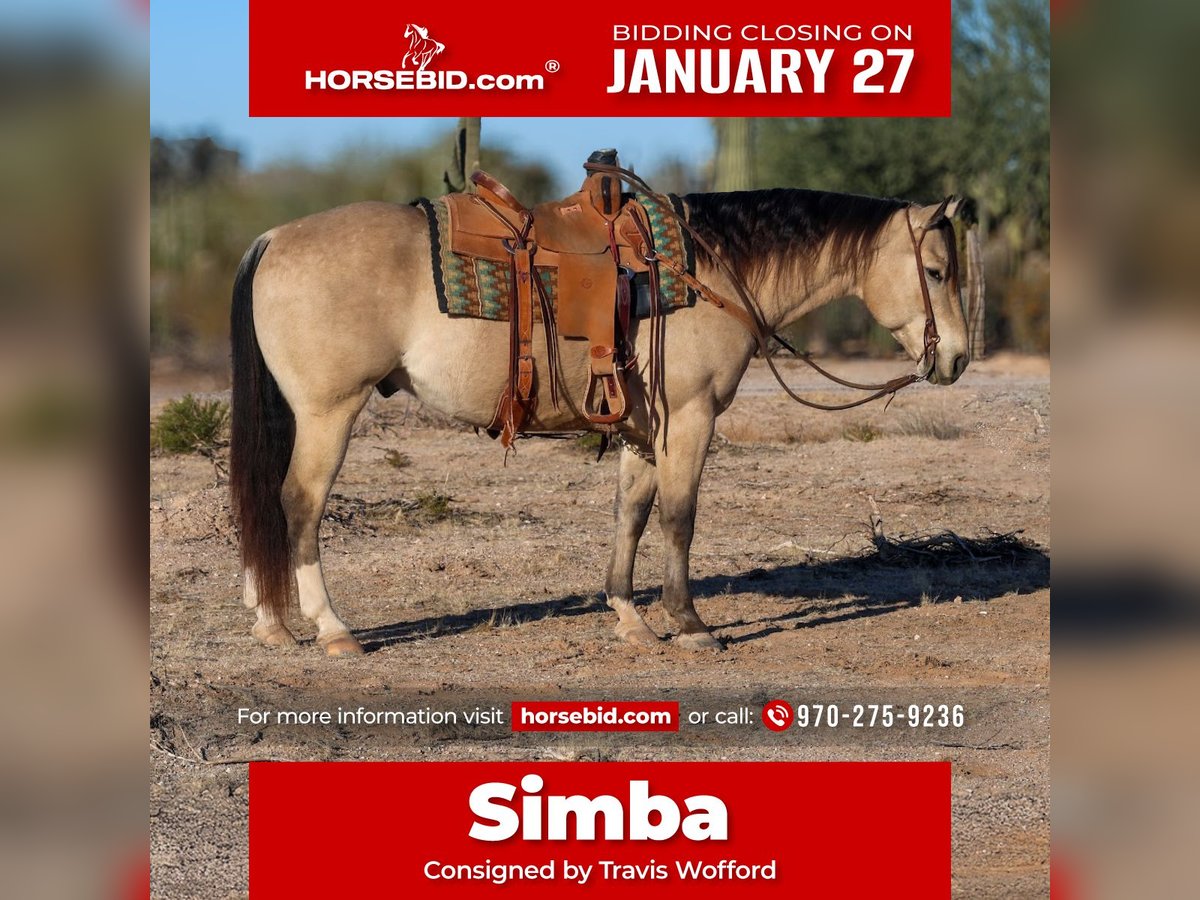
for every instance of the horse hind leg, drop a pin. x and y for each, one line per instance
(268, 628)
(321, 441)
(636, 487)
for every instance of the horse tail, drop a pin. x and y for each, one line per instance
(262, 435)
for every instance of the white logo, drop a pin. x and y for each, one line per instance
(415, 73)
(421, 47)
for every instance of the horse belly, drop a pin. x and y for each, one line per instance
(459, 367)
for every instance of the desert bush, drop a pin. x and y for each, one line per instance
(189, 425)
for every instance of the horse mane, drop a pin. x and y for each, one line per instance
(757, 232)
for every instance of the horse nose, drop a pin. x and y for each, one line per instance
(960, 366)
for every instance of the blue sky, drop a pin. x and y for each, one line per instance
(198, 83)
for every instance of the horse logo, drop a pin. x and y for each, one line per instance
(421, 47)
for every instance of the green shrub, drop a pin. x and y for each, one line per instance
(189, 425)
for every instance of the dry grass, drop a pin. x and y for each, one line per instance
(396, 459)
(791, 425)
(749, 431)
(426, 508)
(499, 618)
(432, 507)
(861, 433)
(935, 424)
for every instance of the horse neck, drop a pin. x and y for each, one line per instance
(788, 277)
(793, 290)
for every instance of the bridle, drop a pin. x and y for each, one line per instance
(932, 338)
(750, 317)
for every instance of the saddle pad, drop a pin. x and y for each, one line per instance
(478, 288)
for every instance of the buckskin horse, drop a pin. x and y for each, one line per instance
(329, 307)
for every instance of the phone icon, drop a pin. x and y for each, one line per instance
(777, 715)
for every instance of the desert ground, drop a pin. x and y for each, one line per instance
(470, 580)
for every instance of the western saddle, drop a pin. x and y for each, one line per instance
(596, 241)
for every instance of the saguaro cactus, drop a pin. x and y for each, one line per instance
(734, 165)
(466, 155)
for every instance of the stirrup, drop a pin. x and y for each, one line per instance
(612, 392)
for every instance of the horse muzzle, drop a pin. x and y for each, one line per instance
(948, 374)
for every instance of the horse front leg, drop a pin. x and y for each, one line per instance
(636, 486)
(680, 466)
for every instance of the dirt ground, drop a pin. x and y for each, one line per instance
(471, 581)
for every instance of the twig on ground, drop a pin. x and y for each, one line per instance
(200, 761)
(876, 523)
(946, 547)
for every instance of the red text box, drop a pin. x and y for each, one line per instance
(844, 830)
(380, 58)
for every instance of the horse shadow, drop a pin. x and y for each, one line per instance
(838, 590)
(860, 587)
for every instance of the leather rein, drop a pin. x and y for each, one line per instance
(749, 316)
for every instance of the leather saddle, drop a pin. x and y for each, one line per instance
(596, 241)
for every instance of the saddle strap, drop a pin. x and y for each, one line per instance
(518, 401)
(605, 403)
(523, 270)
(642, 241)
(498, 192)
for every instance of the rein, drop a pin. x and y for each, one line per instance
(748, 315)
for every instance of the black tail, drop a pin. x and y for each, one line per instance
(263, 433)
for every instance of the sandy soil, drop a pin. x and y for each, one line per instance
(493, 596)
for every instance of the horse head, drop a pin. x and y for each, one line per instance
(917, 253)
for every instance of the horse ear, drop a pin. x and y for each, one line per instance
(932, 216)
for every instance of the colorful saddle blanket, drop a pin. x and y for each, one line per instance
(472, 272)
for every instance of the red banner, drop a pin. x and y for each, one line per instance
(557, 830)
(672, 58)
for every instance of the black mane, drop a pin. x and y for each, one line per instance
(750, 229)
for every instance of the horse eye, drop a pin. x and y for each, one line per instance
(934, 274)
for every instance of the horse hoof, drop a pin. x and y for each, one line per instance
(698, 640)
(342, 645)
(273, 635)
(637, 633)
